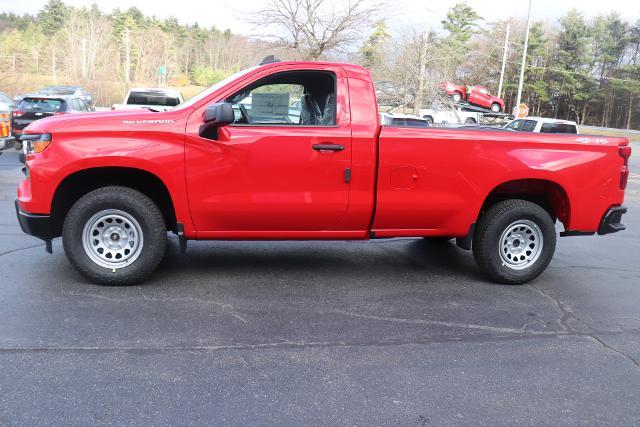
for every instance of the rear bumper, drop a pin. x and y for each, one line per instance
(34, 224)
(611, 220)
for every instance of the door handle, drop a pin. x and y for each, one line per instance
(328, 147)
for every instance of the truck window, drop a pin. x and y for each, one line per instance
(306, 98)
(154, 98)
(522, 125)
(558, 128)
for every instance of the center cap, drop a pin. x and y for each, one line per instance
(115, 237)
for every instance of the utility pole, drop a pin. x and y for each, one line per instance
(127, 67)
(524, 59)
(504, 59)
(84, 59)
(417, 103)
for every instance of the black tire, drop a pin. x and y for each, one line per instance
(470, 120)
(148, 219)
(429, 120)
(489, 247)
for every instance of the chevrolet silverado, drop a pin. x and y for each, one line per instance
(296, 151)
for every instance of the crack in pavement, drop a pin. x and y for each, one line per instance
(291, 344)
(226, 308)
(21, 249)
(437, 323)
(568, 314)
(615, 350)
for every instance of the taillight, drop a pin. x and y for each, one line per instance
(18, 113)
(58, 113)
(625, 153)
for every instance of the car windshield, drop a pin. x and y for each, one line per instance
(208, 91)
(45, 105)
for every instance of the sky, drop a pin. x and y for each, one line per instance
(404, 14)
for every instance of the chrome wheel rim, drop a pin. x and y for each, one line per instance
(521, 244)
(112, 239)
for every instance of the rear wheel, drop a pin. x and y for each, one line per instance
(495, 108)
(456, 96)
(514, 241)
(469, 120)
(429, 120)
(114, 236)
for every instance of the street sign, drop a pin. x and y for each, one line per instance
(521, 111)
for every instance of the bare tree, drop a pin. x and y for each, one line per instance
(314, 27)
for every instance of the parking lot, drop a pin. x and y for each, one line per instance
(398, 331)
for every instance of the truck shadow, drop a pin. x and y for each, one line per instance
(388, 259)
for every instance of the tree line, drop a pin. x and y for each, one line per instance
(585, 69)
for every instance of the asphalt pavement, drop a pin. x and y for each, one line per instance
(399, 331)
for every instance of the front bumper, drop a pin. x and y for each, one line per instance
(34, 224)
(611, 220)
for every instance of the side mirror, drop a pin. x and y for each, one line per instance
(215, 115)
(218, 114)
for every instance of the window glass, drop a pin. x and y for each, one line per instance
(44, 105)
(160, 99)
(522, 125)
(558, 128)
(291, 98)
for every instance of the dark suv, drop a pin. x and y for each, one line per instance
(36, 107)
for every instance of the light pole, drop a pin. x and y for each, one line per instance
(524, 59)
(504, 59)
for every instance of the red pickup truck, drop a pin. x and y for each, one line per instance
(295, 151)
(476, 95)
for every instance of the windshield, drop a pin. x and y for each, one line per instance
(206, 92)
(45, 105)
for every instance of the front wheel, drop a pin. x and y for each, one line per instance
(114, 236)
(456, 97)
(495, 108)
(514, 241)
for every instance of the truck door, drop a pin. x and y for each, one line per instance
(282, 165)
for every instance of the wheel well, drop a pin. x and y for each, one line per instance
(547, 194)
(76, 185)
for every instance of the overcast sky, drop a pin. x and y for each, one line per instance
(406, 14)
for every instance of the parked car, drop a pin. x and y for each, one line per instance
(6, 102)
(403, 120)
(74, 91)
(542, 125)
(448, 116)
(112, 183)
(33, 108)
(159, 99)
(475, 95)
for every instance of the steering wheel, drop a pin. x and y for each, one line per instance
(243, 111)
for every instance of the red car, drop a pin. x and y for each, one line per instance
(295, 151)
(476, 95)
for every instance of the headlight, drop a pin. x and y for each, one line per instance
(35, 142)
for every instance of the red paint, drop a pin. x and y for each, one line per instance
(266, 182)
